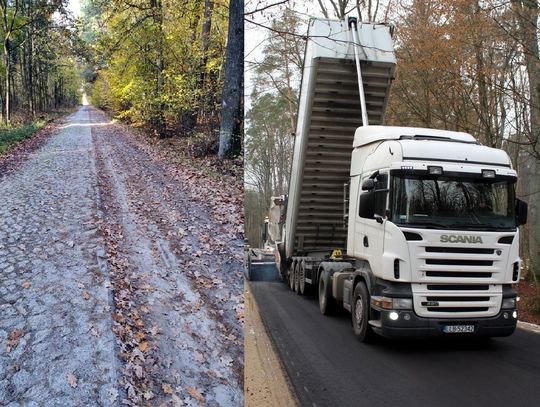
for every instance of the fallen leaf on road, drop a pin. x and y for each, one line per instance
(26, 284)
(86, 295)
(72, 380)
(143, 346)
(193, 392)
(13, 339)
(167, 389)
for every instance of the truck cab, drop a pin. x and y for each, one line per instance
(433, 217)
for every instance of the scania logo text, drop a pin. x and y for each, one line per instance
(461, 239)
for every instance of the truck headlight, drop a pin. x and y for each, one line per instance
(392, 303)
(508, 303)
(402, 303)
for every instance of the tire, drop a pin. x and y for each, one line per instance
(248, 266)
(360, 314)
(302, 278)
(326, 301)
(282, 273)
(291, 275)
(297, 278)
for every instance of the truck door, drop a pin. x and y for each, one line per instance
(373, 240)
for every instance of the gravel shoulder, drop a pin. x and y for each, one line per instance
(266, 382)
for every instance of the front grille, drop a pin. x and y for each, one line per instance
(453, 274)
(457, 309)
(459, 262)
(456, 299)
(458, 280)
(466, 250)
(455, 287)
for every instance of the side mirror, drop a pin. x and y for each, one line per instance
(521, 212)
(367, 203)
(368, 184)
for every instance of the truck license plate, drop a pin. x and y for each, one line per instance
(458, 329)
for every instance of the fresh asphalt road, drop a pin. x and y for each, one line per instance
(327, 366)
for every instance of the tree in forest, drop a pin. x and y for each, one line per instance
(474, 67)
(281, 67)
(271, 119)
(526, 14)
(366, 10)
(454, 70)
(269, 144)
(230, 134)
(158, 64)
(40, 72)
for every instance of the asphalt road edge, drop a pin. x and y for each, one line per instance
(529, 327)
(266, 382)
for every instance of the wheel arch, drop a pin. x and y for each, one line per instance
(364, 274)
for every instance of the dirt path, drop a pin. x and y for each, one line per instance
(168, 276)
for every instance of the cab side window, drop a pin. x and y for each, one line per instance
(380, 194)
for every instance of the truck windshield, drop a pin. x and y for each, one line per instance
(453, 203)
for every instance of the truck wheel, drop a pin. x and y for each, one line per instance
(248, 266)
(360, 313)
(282, 273)
(297, 278)
(326, 302)
(302, 278)
(291, 275)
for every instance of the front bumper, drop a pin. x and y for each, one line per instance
(416, 326)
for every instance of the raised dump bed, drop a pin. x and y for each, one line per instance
(329, 113)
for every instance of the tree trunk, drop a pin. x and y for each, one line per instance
(205, 46)
(230, 133)
(527, 14)
(157, 5)
(7, 64)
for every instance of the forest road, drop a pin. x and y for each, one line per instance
(117, 286)
(328, 366)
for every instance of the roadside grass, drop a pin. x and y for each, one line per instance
(13, 134)
(10, 136)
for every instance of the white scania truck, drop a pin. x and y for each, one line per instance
(414, 231)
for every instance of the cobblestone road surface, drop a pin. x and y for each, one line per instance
(57, 345)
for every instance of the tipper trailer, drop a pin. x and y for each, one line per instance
(413, 231)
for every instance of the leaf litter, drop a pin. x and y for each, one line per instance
(174, 248)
